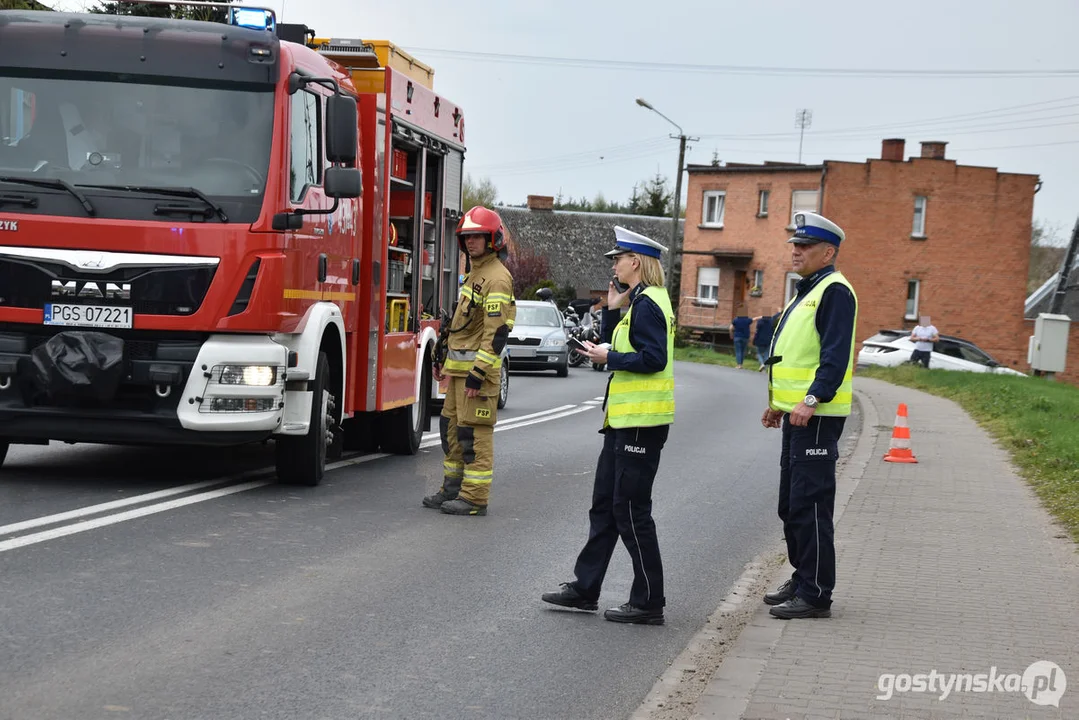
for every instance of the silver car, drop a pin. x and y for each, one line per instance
(538, 339)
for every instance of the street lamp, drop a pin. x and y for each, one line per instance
(674, 256)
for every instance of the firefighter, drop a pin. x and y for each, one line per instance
(809, 396)
(639, 409)
(477, 333)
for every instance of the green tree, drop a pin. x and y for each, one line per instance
(652, 197)
(1047, 252)
(475, 193)
(176, 12)
(22, 5)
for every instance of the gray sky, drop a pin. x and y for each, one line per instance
(535, 127)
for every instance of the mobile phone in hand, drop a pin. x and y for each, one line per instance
(619, 286)
(576, 344)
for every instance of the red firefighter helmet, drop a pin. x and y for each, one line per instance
(480, 220)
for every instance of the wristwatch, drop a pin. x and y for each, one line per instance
(810, 401)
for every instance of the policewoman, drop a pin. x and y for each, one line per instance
(809, 395)
(639, 410)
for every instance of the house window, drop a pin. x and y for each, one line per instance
(762, 204)
(708, 285)
(758, 280)
(305, 164)
(803, 201)
(713, 208)
(792, 286)
(913, 290)
(918, 230)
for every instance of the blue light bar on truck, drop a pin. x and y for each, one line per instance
(254, 18)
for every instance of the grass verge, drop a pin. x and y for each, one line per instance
(715, 357)
(1036, 420)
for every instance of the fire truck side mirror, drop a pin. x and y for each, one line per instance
(341, 130)
(342, 182)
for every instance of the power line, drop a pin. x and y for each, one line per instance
(488, 57)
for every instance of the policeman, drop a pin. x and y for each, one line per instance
(639, 411)
(809, 395)
(478, 331)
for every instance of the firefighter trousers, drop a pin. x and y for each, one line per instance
(467, 431)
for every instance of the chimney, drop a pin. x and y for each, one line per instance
(933, 149)
(892, 149)
(540, 202)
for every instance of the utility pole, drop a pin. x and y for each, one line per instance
(673, 271)
(674, 257)
(1065, 273)
(802, 119)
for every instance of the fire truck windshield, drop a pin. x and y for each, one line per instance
(93, 132)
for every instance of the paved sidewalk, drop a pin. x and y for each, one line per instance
(948, 565)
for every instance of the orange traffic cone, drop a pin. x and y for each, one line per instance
(900, 451)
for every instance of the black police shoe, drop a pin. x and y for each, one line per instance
(782, 594)
(638, 616)
(799, 608)
(568, 596)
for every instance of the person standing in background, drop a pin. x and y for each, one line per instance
(923, 336)
(739, 332)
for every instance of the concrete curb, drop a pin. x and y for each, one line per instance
(728, 692)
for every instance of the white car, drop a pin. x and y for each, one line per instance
(890, 348)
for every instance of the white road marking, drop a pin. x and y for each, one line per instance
(429, 440)
(105, 507)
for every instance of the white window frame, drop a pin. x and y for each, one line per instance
(708, 293)
(762, 202)
(917, 297)
(921, 204)
(721, 195)
(758, 279)
(791, 288)
(795, 206)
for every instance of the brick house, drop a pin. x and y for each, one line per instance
(925, 236)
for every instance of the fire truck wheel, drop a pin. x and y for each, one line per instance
(301, 459)
(401, 430)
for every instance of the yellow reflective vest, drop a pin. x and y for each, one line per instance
(486, 303)
(642, 399)
(798, 343)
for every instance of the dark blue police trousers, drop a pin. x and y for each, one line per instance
(622, 508)
(807, 502)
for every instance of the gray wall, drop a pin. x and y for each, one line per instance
(574, 242)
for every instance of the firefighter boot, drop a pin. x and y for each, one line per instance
(435, 501)
(460, 506)
(453, 472)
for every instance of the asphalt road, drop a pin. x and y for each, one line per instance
(350, 600)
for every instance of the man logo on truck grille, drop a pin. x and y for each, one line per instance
(9, 226)
(90, 289)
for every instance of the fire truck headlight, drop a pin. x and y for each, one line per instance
(254, 375)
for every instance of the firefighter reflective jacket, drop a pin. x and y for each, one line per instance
(482, 322)
(799, 346)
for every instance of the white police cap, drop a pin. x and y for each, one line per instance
(628, 241)
(814, 228)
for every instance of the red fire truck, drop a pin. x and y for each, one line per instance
(218, 234)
